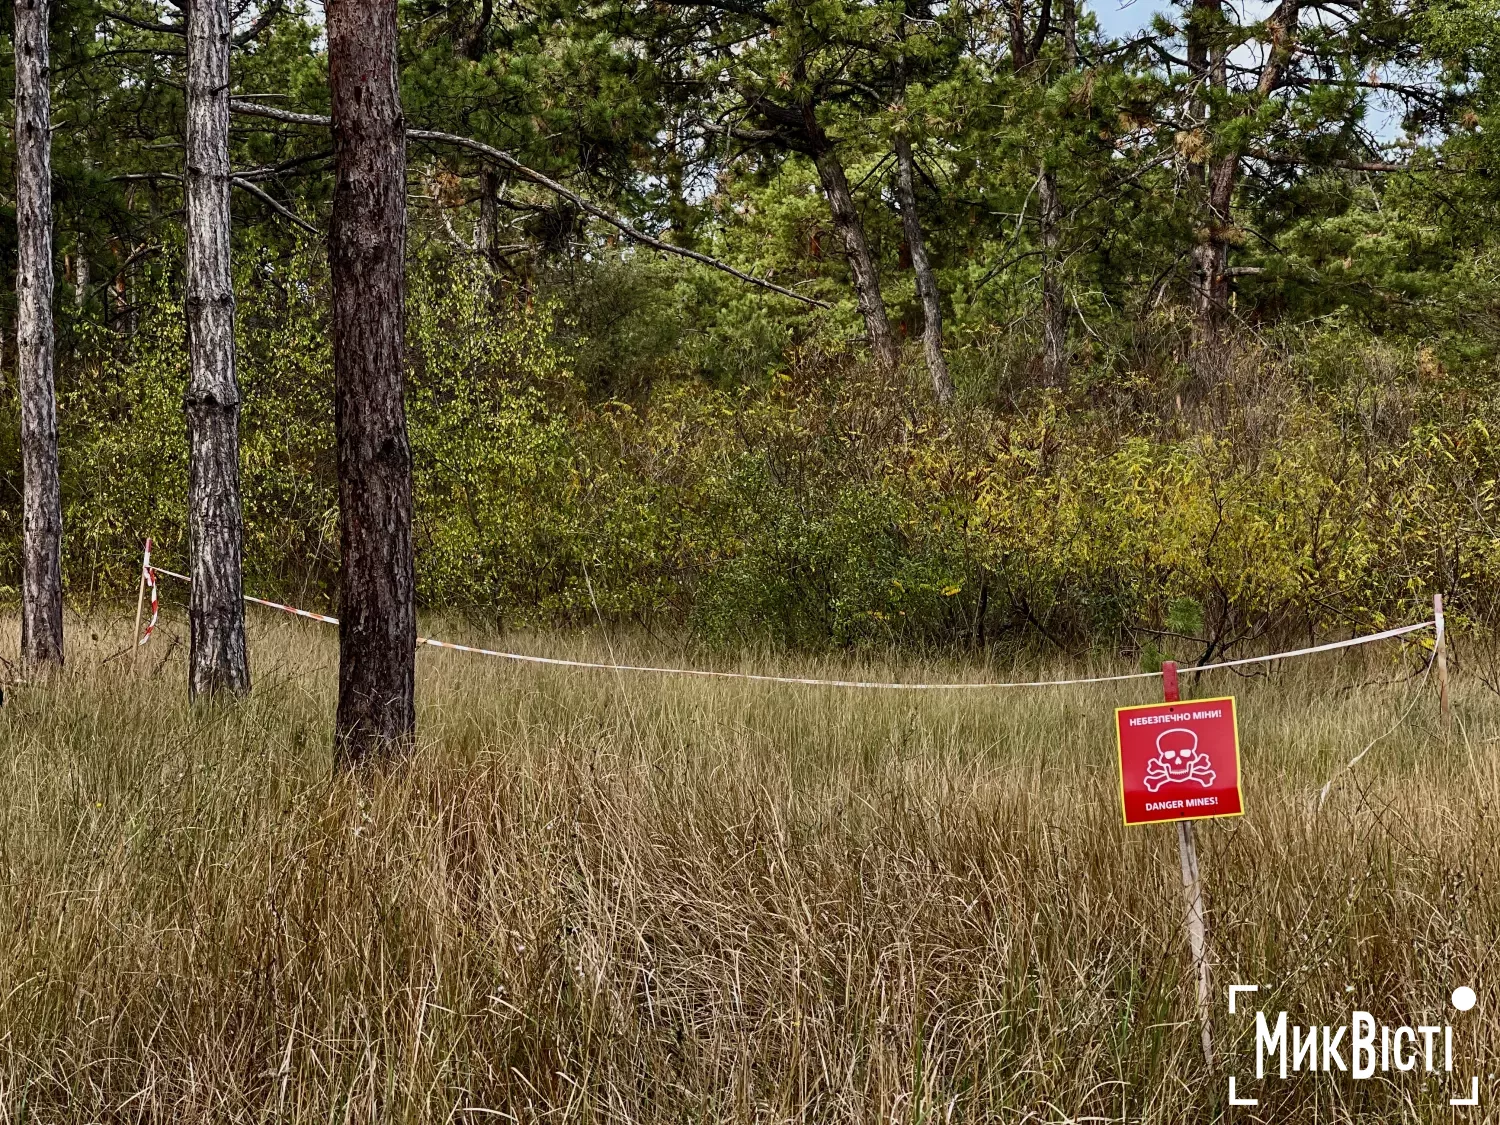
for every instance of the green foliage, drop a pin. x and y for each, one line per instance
(1340, 485)
(1185, 616)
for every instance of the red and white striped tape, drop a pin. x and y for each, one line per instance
(307, 613)
(149, 577)
(527, 658)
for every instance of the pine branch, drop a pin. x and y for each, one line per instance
(1284, 161)
(270, 201)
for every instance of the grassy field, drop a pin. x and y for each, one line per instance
(594, 898)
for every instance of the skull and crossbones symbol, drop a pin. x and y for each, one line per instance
(1178, 761)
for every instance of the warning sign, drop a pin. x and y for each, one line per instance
(1179, 761)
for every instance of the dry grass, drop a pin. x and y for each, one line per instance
(593, 898)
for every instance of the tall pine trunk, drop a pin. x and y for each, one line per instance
(1208, 58)
(41, 503)
(1024, 51)
(927, 289)
(862, 268)
(488, 234)
(217, 660)
(1206, 61)
(1054, 299)
(1211, 264)
(81, 279)
(367, 242)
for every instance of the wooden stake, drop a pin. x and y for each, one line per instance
(1440, 651)
(140, 604)
(1197, 929)
(1192, 886)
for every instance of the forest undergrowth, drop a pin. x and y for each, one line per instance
(1327, 484)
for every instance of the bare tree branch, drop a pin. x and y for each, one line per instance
(254, 109)
(271, 171)
(179, 30)
(260, 23)
(1285, 161)
(238, 181)
(281, 209)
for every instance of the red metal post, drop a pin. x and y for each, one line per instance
(1169, 692)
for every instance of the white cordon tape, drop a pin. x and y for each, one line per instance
(1181, 671)
(773, 679)
(1350, 643)
(149, 576)
(311, 616)
(526, 658)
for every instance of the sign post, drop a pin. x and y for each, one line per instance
(1180, 762)
(1197, 929)
(1192, 886)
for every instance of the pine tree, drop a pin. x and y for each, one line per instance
(217, 659)
(367, 246)
(41, 577)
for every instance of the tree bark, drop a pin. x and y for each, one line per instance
(217, 660)
(367, 243)
(797, 127)
(41, 503)
(1210, 266)
(1054, 299)
(1024, 51)
(489, 217)
(81, 280)
(862, 268)
(1207, 62)
(927, 289)
(679, 211)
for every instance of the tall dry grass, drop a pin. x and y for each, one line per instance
(590, 897)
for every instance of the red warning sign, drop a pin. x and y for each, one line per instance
(1179, 761)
